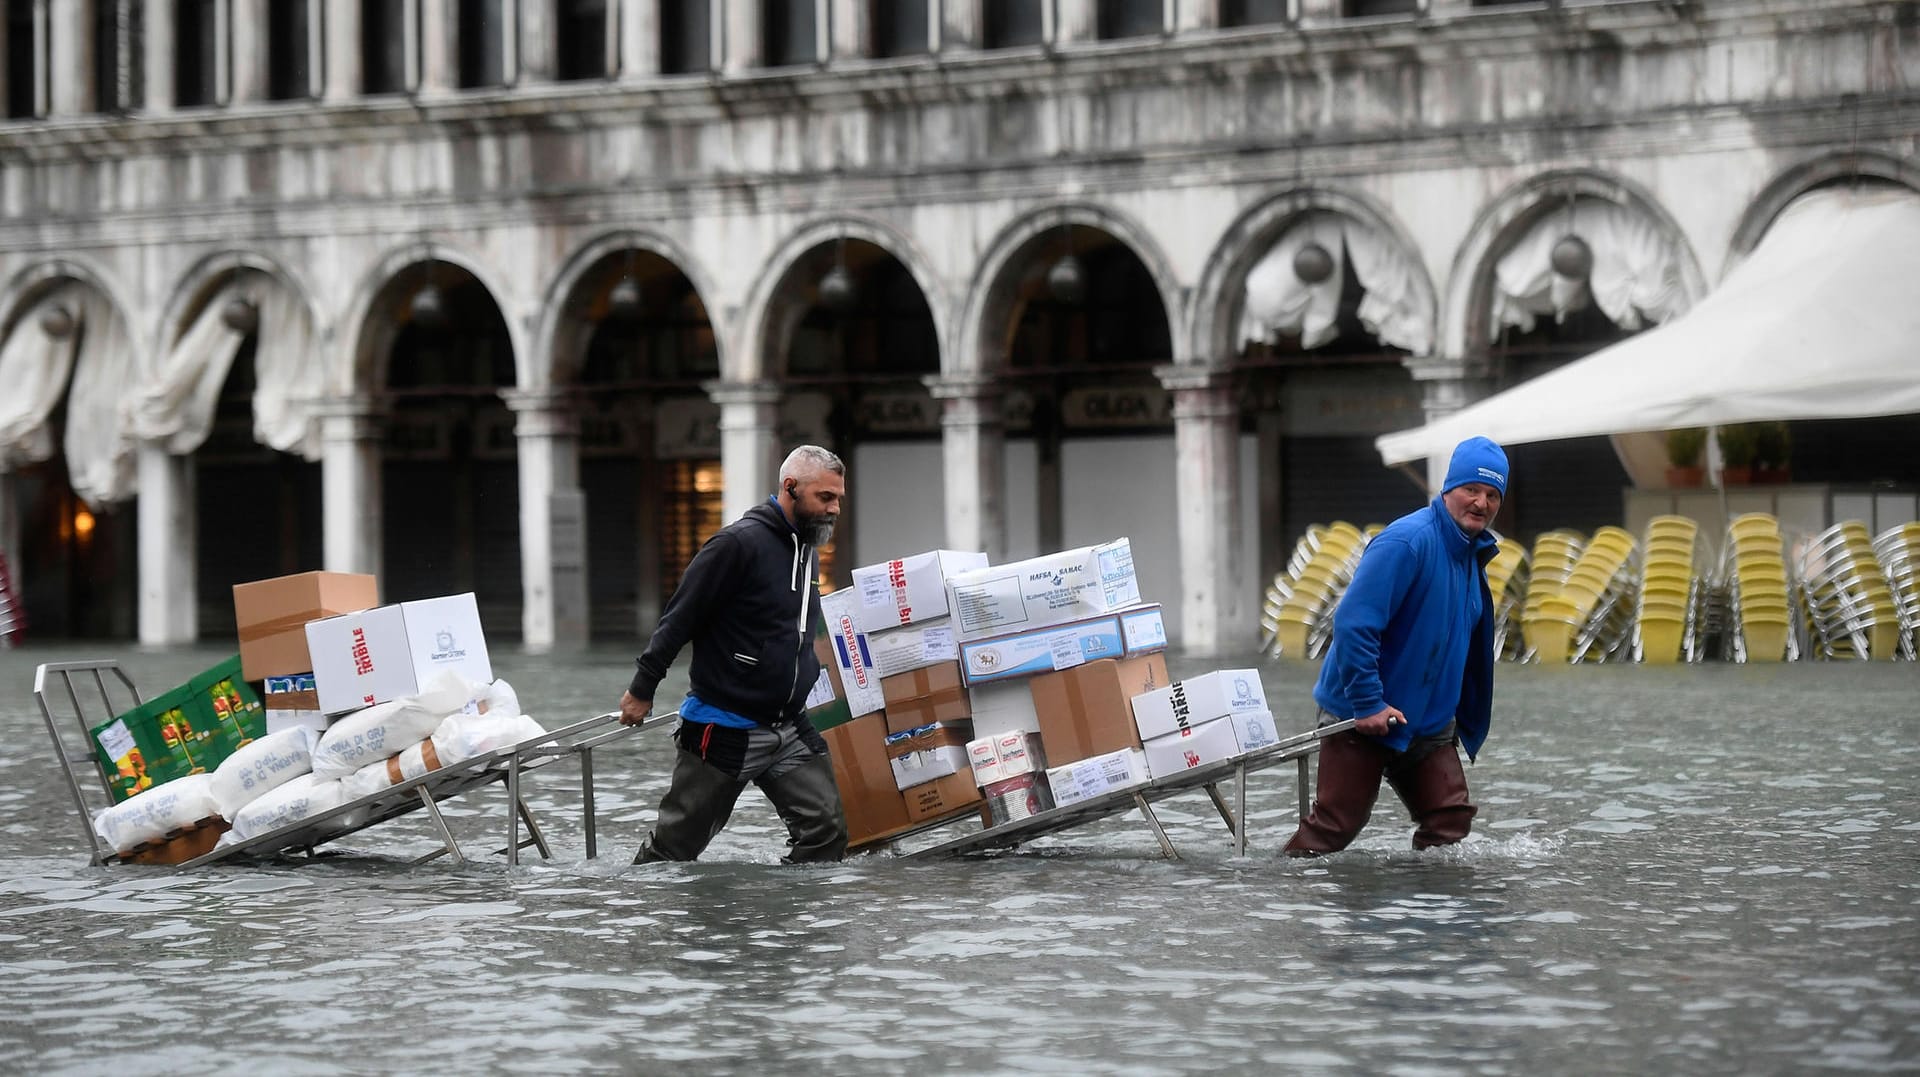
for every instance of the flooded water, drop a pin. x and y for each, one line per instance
(1703, 870)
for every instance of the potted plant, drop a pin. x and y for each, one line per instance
(1683, 457)
(1737, 444)
(1772, 451)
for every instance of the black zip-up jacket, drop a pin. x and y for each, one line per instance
(748, 603)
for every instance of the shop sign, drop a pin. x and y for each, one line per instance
(1346, 403)
(898, 411)
(1108, 407)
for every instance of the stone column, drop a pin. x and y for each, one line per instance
(639, 39)
(350, 505)
(169, 593)
(343, 78)
(70, 52)
(1446, 386)
(959, 25)
(1195, 15)
(849, 29)
(749, 413)
(249, 51)
(1448, 7)
(1074, 20)
(1320, 12)
(553, 548)
(973, 440)
(536, 45)
(159, 63)
(740, 36)
(1215, 585)
(437, 22)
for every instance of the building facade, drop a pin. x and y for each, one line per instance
(526, 297)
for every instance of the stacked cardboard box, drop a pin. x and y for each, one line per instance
(272, 617)
(1204, 719)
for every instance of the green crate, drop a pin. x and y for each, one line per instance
(185, 730)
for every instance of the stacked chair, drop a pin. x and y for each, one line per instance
(1666, 621)
(1848, 601)
(1590, 616)
(1507, 585)
(1543, 615)
(13, 619)
(1753, 572)
(1898, 550)
(1303, 621)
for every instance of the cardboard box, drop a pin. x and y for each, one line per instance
(942, 797)
(925, 696)
(279, 720)
(376, 655)
(872, 803)
(1002, 707)
(1188, 703)
(272, 616)
(929, 752)
(1017, 797)
(902, 650)
(1041, 591)
(852, 659)
(910, 589)
(1102, 774)
(1088, 710)
(1043, 650)
(1206, 743)
(185, 730)
(292, 702)
(1255, 731)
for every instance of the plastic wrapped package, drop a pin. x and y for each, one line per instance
(301, 798)
(151, 815)
(384, 730)
(463, 736)
(262, 766)
(496, 698)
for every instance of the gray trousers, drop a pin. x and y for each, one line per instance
(800, 785)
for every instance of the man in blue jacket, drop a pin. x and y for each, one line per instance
(1412, 664)
(748, 602)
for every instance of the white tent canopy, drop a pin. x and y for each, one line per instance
(1822, 321)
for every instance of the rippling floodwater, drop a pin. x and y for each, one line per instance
(1708, 870)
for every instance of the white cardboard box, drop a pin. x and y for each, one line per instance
(1184, 704)
(1206, 743)
(1255, 731)
(1085, 779)
(851, 653)
(916, 646)
(1041, 591)
(388, 652)
(1003, 707)
(927, 765)
(908, 590)
(1056, 647)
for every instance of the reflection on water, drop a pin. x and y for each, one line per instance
(1708, 870)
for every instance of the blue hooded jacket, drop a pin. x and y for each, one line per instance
(1415, 629)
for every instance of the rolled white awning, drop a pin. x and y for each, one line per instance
(1822, 321)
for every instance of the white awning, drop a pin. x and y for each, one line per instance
(1822, 321)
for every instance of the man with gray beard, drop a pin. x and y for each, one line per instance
(748, 603)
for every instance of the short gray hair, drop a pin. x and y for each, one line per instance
(802, 462)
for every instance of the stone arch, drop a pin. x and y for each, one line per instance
(211, 267)
(1798, 179)
(1465, 314)
(988, 297)
(373, 339)
(539, 369)
(769, 317)
(1217, 301)
(35, 279)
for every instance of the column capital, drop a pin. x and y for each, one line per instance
(726, 393)
(963, 386)
(545, 412)
(1200, 392)
(1189, 377)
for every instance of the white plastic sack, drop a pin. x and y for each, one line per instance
(151, 814)
(495, 698)
(301, 798)
(383, 730)
(463, 736)
(411, 763)
(264, 765)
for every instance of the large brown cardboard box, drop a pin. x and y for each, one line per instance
(273, 616)
(942, 797)
(925, 696)
(1087, 710)
(873, 804)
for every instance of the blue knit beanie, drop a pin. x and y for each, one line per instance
(1477, 460)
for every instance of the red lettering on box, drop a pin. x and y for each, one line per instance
(852, 640)
(362, 656)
